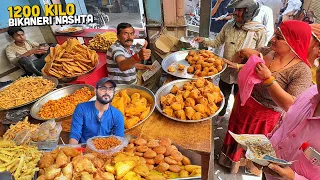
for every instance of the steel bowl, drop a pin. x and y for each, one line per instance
(148, 94)
(165, 90)
(179, 58)
(57, 94)
(53, 79)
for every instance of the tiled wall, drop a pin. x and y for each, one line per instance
(32, 34)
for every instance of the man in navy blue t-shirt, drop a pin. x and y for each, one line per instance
(99, 117)
(219, 8)
(216, 25)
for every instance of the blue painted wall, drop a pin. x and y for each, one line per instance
(4, 13)
(153, 11)
(80, 6)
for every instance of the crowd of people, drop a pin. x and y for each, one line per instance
(270, 71)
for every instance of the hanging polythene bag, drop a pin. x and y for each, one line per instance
(247, 78)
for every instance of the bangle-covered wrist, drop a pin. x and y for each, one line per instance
(269, 81)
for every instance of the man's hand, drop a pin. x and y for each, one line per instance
(143, 67)
(144, 53)
(37, 50)
(285, 173)
(199, 39)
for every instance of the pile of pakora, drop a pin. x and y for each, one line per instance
(20, 161)
(102, 42)
(23, 91)
(154, 159)
(202, 64)
(195, 100)
(135, 108)
(69, 59)
(65, 106)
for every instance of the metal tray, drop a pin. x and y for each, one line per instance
(53, 79)
(139, 89)
(179, 58)
(57, 94)
(165, 90)
(194, 157)
(61, 30)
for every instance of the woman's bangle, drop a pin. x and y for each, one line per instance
(269, 80)
(268, 85)
(238, 67)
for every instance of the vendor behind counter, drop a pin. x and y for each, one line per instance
(99, 117)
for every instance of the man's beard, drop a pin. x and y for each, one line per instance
(102, 101)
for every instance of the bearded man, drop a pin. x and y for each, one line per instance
(99, 117)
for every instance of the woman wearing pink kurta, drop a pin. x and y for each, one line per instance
(301, 124)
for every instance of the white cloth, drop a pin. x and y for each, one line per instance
(275, 5)
(251, 27)
(293, 5)
(265, 17)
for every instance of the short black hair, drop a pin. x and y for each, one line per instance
(122, 26)
(12, 30)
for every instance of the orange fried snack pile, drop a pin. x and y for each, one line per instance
(103, 41)
(105, 143)
(196, 100)
(135, 108)
(69, 60)
(65, 105)
(204, 63)
(24, 90)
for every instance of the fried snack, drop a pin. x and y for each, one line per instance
(21, 161)
(164, 161)
(21, 125)
(105, 143)
(69, 59)
(135, 107)
(204, 63)
(103, 41)
(171, 68)
(196, 100)
(24, 90)
(66, 105)
(71, 29)
(181, 67)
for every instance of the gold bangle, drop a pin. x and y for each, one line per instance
(271, 83)
(238, 67)
(269, 80)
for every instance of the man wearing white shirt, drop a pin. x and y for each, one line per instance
(265, 17)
